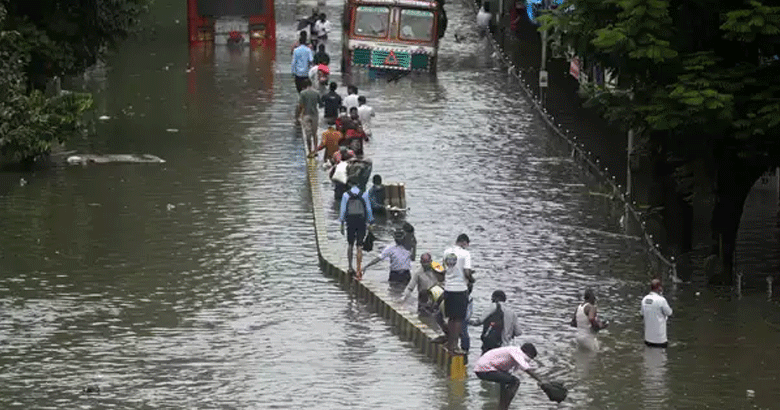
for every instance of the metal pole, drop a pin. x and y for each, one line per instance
(630, 151)
(777, 180)
(544, 66)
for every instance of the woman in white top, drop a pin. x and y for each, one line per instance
(587, 322)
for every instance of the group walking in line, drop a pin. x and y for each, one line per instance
(443, 289)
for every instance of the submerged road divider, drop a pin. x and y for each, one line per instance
(407, 324)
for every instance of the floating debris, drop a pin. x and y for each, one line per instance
(172, 130)
(171, 207)
(85, 159)
(22, 182)
(91, 389)
(104, 117)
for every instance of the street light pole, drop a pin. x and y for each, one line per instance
(630, 151)
(543, 71)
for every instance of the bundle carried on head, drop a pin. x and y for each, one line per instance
(555, 391)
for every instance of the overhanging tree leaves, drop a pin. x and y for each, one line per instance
(697, 78)
(43, 39)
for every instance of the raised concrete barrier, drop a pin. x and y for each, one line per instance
(407, 323)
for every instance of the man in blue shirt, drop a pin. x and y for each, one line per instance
(355, 212)
(301, 62)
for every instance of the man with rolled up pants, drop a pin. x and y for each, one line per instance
(458, 275)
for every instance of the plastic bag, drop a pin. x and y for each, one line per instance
(340, 173)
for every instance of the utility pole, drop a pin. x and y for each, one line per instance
(543, 71)
(630, 150)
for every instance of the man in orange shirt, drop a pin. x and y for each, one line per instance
(330, 142)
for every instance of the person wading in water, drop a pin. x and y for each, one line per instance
(587, 323)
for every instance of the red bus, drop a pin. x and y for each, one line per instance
(231, 22)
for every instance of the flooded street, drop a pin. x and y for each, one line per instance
(194, 283)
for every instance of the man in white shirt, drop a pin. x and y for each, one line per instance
(483, 19)
(351, 100)
(322, 28)
(655, 310)
(458, 275)
(365, 113)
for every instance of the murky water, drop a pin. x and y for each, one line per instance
(194, 283)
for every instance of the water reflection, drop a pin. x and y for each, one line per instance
(654, 379)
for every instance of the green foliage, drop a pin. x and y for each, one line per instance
(749, 25)
(692, 89)
(42, 39)
(65, 36)
(31, 123)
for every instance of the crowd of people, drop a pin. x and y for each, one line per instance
(443, 289)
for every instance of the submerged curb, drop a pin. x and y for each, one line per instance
(406, 323)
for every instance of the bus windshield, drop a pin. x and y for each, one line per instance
(416, 25)
(371, 21)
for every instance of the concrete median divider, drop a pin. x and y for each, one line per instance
(406, 323)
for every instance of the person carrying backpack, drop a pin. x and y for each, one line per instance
(499, 324)
(355, 213)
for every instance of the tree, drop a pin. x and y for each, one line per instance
(43, 39)
(697, 81)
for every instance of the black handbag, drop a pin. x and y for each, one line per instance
(368, 243)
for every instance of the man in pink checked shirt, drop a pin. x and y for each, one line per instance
(497, 365)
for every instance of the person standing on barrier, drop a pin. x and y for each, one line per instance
(355, 213)
(330, 142)
(301, 63)
(655, 310)
(423, 278)
(465, 338)
(400, 261)
(458, 275)
(309, 114)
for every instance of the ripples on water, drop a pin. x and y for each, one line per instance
(194, 284)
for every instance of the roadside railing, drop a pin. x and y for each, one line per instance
(660, 264)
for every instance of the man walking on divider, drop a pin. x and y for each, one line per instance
(309, 114)
(355, 212)
(457, 262)
(301, 62)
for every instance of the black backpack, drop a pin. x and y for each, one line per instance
(356, 206)
(492, 329)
